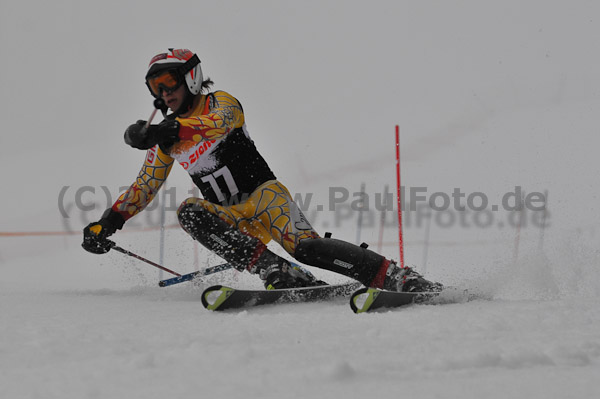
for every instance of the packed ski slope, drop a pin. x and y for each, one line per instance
(489, 96)
(71, 331)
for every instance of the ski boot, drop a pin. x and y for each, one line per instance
(288, 275)
(406, 279)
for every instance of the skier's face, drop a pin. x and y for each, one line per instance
(174, 99)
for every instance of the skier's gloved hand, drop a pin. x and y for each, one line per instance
(165, 134)
(95, 235)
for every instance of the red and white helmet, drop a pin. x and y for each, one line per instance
(186, 63)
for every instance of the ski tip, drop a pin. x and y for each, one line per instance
(213, 297)
(362, 299)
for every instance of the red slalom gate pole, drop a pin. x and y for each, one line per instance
(398, 184)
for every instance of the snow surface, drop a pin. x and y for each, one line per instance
(489, 96)
(70, 330)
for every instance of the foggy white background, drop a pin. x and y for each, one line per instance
(488, 95)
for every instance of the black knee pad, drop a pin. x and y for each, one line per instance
(340, 257)
(244, 252)
(217, 235)
(192, 215)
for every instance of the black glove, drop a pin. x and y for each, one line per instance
(95, 235)
(165, 133)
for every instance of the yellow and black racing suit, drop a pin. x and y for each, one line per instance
(237, 184)
(244, 206)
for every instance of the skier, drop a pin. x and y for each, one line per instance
(244, 205)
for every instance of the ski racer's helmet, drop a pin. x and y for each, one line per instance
(182, 66)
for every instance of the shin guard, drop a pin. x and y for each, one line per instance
(344, 258)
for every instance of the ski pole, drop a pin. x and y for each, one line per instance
(114, 246)
(190, 276)
(147, 125)
(158, 104)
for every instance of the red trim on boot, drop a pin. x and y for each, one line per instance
(380, 277)
(260, 248)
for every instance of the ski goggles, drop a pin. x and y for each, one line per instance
(167, 81)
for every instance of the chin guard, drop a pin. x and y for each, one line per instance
(160, 105)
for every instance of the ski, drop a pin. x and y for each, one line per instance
(371, 299)
(220, 297)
